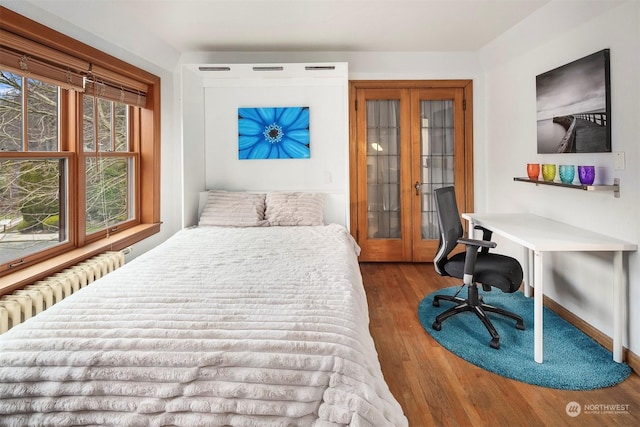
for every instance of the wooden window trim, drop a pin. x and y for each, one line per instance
(148, 140)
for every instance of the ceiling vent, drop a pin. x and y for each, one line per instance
(268, 68)
(319, 67)
(214, 68)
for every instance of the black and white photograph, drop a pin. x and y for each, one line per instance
(573, 104)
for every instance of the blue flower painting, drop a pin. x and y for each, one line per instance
(273, 133)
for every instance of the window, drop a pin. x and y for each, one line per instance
(79, 148)
(33, 202)
(109, 164)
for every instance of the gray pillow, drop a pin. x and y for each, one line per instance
(233, 209)
(294, 208)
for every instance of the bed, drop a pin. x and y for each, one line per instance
(243, 325)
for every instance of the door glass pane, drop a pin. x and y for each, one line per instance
(383, 175)
(436, 158)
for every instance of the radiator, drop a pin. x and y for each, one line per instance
(19, 306)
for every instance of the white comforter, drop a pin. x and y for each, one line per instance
(259, 326)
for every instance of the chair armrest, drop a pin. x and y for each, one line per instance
(471, 255)
(486, 235)
(477, 243)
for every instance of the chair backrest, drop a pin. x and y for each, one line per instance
(450, 226)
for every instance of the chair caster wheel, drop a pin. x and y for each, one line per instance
(436, 325)
(495, 343)
(520, 326)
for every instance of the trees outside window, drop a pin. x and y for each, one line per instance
(109, 164)
(79, 148)
(33, 187)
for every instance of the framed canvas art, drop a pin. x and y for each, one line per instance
(574, 107)
(273, 133)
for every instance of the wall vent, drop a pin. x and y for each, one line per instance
(268, 68)
(214, 68)
(319, 67)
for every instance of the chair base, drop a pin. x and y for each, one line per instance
(475, 304)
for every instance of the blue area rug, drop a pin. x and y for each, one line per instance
(572, 360)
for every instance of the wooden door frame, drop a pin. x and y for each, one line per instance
(355, 85)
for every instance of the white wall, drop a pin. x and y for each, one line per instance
(192, 128)
(580, 282)
(216, 96)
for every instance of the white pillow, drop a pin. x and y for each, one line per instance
(294, 208)
(233, 209)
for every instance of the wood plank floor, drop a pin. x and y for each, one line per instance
(437, 388)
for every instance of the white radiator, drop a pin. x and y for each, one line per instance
(25, 303)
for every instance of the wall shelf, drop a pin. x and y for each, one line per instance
(615, 187)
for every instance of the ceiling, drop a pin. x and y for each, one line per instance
(294, 25)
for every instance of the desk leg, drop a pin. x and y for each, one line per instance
(471, 231)
(619, 306)
(537, 305)
(528, 272)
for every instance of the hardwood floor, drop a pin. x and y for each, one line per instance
(437, 388)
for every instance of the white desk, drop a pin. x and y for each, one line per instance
(538, 235)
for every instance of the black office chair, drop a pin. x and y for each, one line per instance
(472, 266)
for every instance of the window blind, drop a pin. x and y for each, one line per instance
(112, 93)
(27, 66)
(116, 87)
(26, 57)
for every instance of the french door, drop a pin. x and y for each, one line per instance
(407, 139)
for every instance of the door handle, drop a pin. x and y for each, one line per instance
(417, 186)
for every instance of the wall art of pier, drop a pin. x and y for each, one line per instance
(585, 133)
